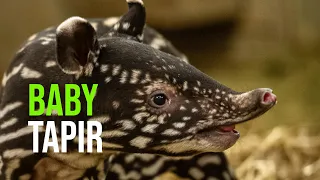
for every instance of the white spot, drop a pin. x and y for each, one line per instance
(139, 116)
(226, 115)
(137, 101)
(139, 93)
(50, 64)
(217, 90)
(185, 85)
(113, 133)
(179, 124)
(146, 79)
(27, 73)
(212, 111)
(233, 107)
(46, 40)
(110, 21)
(196, 89)
(8, 123)
(161, 118)
(152, 118)
(187, 101)
(108, 79)
(110, 34)
(174, 80)
(126, 124)
(123, 77)
(158, 43)
(196, 173)
(186, 118)
(194, 110)
(101, 119)
(116, 70)
(116, 26)
(170, 132)
(140, 142)
(223, 92)
(14, 71)
(9, 107)
(115, 104)
(218, 97)
(182, 108)
(125, 26)
(150, 128)
(140, 36)
(135, 76)
(199, 83)
(104, 68)
(118, 169)
(129, 158)
(204, 91)
(142, 108)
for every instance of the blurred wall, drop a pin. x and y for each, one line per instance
(266, 29)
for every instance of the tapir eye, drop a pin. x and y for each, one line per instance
(158, 99)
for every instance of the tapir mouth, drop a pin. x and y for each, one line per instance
(229, 125)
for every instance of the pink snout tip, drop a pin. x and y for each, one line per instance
(269, 98)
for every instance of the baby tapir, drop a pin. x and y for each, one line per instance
(147, 100)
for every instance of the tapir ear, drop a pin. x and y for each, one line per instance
(132, 23)
(77, 45)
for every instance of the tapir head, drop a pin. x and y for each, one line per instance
(150, 101)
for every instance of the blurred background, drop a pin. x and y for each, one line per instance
(244, 44)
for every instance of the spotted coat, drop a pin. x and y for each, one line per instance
(205, 166)
(148, 100)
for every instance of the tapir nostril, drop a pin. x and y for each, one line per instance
(269, 98)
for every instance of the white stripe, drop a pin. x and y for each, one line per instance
(28, 73)
(14, 71)
(8, 108)
(21, 132)
(16, 153)
(8, 123)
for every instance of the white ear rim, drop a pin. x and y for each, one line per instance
(68, 23)
(135, 1)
